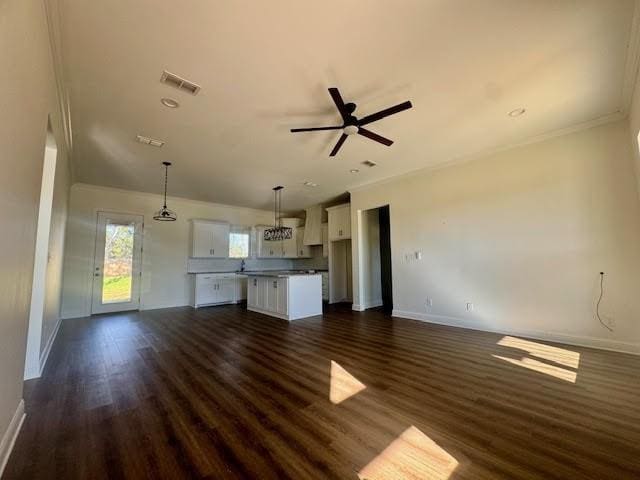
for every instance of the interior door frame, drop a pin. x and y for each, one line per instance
(136, 281)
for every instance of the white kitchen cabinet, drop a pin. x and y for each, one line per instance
(325, 240)
(267, 249)
(339, 222)
(209, 239)
(214, 289)
(289, 297)
(303, 251)
(282, 292)
(290, 246)
(252, 292)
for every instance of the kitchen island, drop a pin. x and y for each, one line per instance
(286, 295)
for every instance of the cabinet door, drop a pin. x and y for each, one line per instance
(219, 240)
(263, 283)
(340, 223)
(226, 290)
(282, 296)
(303, 251)
(252, 291)
(272, 294)
(206, 290)
(325, 240)
(289, 247)
(202, 239)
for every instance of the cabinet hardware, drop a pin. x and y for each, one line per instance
(275, 284)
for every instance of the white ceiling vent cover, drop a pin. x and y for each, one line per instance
(180, 83)
(150, 141)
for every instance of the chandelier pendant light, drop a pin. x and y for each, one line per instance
(164, 214)
(277, 232)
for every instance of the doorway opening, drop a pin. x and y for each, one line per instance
(117, 266)
(375, 269)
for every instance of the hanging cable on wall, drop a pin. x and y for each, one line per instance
(600, 300)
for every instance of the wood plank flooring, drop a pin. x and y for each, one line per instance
(222, 393)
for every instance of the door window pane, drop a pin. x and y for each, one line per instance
(118, 263)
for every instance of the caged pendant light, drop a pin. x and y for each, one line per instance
(277, 232)
(164, 214)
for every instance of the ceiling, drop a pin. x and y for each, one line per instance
(264, 67)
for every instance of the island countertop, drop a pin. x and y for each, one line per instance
(280, 273)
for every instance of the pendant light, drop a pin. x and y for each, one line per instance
(164, 214)
(277, 232)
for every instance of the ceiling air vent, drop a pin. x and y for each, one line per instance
(150, 141)
(180, 83)
(369, 163)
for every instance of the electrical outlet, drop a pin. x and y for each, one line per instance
(429, 302)
(469, 306)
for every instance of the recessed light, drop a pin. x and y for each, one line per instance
(170, 102)
(310, 184)
(517, 112)
(354, 170)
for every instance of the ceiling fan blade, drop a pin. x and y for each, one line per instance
(384, 113)
(314, 129)
(337, 99)
(374, 136)
(338, 145)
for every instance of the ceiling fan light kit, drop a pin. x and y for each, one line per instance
(352, 124)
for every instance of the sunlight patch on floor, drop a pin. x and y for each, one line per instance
(411, 456)
(541, 367)
(563, 356)
(343, 384)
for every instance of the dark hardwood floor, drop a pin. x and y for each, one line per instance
(224, 393)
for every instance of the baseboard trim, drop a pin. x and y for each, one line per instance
(44, 356)
(10, 436)
(357, 307)
(591, 342)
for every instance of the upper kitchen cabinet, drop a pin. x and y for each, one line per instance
(340, 222)
(289, 247)
(303, 251)
(325, 239)
(267, 249)
(209, 239)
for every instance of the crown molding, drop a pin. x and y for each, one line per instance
(633, 60)
(52, 14)
(595, 122)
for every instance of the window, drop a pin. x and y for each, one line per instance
(239, 242)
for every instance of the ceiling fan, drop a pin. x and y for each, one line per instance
(353, 125)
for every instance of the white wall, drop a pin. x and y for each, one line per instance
(522, 234)
(165, 280)
(29, 97)
(370, 264)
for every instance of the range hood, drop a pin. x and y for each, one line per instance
(313, 226)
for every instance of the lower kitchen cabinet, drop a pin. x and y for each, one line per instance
(215, 289)
(288, 297)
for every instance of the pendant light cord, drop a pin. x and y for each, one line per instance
(166, 174)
